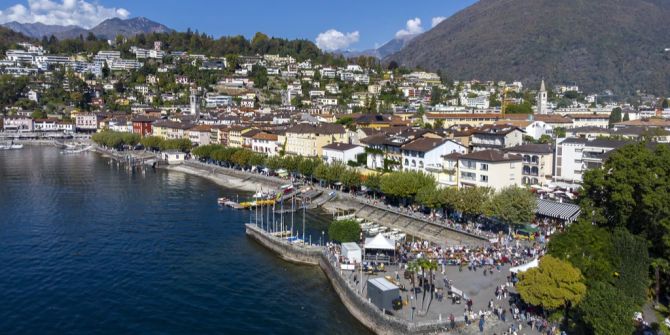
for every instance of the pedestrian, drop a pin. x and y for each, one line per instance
(452, 321)
(481, 324)
(465, 315)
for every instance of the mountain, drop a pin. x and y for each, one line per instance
(37, 30)
(108, 29)
(604, 44)
(389, 48)
(395, 45)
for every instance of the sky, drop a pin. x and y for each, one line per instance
(343, 24)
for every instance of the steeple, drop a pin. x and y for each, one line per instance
(542, 99)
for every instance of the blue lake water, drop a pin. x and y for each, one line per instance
(89, 248)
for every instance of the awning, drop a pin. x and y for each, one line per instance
(558, 210)
(525, 267)
(379, 242)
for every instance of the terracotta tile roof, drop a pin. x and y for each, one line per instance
(492, 156)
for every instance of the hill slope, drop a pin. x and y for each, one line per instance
(615, 44)
(9, 37)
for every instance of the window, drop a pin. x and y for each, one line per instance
(484, 179)
(468, 176)
(484, 167)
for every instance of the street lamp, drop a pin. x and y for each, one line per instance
(323, 237)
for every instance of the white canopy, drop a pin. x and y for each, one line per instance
(525, 267)
(379, 242)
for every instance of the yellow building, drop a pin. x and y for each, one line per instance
(235, 138)
(308, 140)
(170, 130)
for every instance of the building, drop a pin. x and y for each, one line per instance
(384, 149)
(170, 130)
(308, 140)
(489, 168)
(142, 125)
(265, 143)
(574, 156)
(542, 107)
(341, 152)
(17, 123)
(425, 154)
(590, 120)
(537, 163)
(86, 122)
(213, 101)
(496, 137)
(200, 134)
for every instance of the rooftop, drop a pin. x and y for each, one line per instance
(492, 156)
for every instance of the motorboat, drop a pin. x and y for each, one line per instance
(222, 200)
(16, 146)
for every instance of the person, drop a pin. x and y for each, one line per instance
(481, 324)
(452, 321)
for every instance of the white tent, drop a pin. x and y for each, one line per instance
(379, 242)
(525, 267)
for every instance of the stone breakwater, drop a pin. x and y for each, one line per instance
(290, 252)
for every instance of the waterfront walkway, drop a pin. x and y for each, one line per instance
(465, 234)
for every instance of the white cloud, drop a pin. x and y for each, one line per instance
(68, 12)
(437, 20)
(412, 27)
(332, 39)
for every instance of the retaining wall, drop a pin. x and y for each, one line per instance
(287, 251)
(371, 316)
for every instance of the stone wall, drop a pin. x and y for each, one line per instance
(371, 316)
(287, 251)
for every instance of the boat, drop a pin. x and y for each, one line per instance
(16, 146)
(222, 200)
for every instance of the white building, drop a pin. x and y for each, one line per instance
(17, 123)
(341, 152)
(489, 168)
(538, 128)
(425, 154)
(213, 101)
(542, 107)
(574, 156)
(87, 122)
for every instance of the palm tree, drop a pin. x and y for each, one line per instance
(413, 267)
(431, 266)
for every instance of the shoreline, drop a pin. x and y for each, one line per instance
(218, 176)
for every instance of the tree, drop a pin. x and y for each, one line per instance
(372, 182)
(587, 247)
(615, 116)
(513, 205)
(429, 196)
(344, 231)
(553, 285)
(606, 311)
(405, 185)
(471, 201)
(435, 96)
(632, 191)
(626, 117)
(38, 114)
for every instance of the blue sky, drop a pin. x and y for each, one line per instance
(345, 24)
